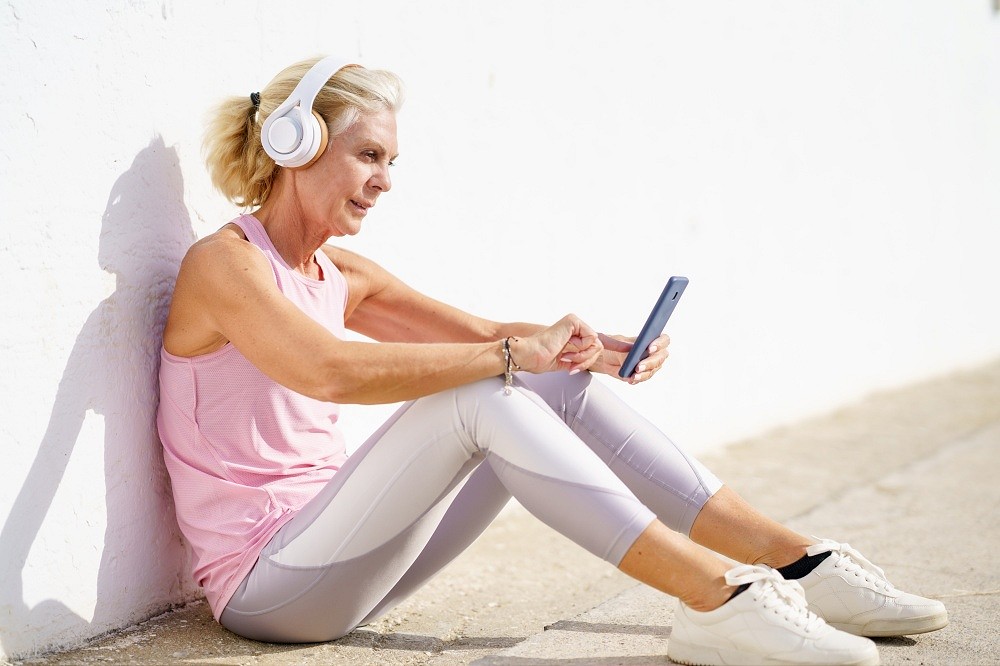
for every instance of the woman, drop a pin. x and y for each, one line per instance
(294, 541)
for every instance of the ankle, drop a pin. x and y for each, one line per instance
(709, 598)
(782, 557)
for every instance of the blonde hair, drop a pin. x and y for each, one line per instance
(236, 160)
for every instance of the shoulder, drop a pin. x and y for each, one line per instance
(225, 249)
(217, 271)
(221, 260)
(355, 267)
(348, 261)
(364, 277)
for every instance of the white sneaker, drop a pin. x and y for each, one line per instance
(769, 623)
(853, 595)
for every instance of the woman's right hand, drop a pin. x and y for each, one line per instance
(569, 344)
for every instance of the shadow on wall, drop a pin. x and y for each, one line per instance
(112, 371)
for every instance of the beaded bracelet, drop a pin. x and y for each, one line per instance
(508, 377)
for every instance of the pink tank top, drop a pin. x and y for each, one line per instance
(245, 453)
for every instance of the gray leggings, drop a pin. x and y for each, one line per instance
(430, 480)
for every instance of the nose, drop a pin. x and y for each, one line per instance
(381, 180)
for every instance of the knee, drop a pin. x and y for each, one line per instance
(571, 385)
(475, 393)
(562, 392)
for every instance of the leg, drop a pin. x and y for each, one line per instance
(682, 492)
(841, 585)
(729, 525)
(667, 561)
(343, 556)
(474, 508)
(672, 483)
(724, 512)
(346, 552)
(304, 586)
(694, 575)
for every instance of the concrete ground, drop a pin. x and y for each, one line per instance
(908, 477)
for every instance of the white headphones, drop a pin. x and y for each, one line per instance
(294, 135)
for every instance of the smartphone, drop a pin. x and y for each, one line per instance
(654, 324)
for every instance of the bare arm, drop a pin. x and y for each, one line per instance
(226, 292)
(384, 308)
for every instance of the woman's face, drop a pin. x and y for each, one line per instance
(351, 174)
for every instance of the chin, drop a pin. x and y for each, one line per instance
(346, 228)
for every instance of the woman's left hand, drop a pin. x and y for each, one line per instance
(617, 347)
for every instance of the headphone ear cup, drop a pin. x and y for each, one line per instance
(283, 137)
(320, 136)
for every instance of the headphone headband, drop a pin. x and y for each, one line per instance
(291, 135)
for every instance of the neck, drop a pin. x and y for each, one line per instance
(291, 233)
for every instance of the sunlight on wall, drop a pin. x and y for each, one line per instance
(71, 550)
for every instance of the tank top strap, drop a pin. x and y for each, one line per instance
(326, 264)
(332, 275)
(254, 230)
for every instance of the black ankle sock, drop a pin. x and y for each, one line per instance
(803, 566)
(740, 590)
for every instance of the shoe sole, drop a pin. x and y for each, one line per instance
(887, 628)
(697, 655)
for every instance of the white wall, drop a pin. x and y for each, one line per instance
(825, 173)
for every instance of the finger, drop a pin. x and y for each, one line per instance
(639, 377)
(659, 343)
(583, 360)
(578, 357)
(656, 357)
(586, 364)
(580, 342)
(615, 344)
(585, 343)
(581, 348)
(645, 371)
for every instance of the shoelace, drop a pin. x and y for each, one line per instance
(785, 597)
(851, 560)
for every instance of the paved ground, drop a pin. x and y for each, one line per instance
(907, 477)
